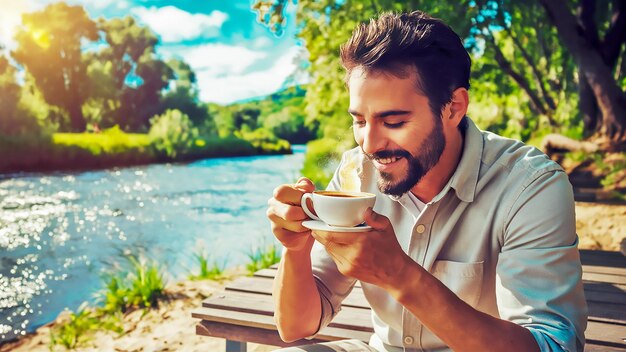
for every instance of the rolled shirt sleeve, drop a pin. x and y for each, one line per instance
(538, 282)
(332, 286)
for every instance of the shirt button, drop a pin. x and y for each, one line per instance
(420, 228)
(408, 340)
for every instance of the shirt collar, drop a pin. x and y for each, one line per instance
(465, 177)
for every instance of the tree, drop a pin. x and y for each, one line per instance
(127, 75)
(554, 57)
(49, 47)
(595, 37)
(11, 119)
(182, 95)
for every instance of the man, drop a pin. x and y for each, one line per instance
(473, 244)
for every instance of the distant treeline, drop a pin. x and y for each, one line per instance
(84, 76)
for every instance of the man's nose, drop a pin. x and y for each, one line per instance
(373, 140)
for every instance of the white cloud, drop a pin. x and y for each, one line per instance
(216, 59)
(174, 24)
(225, 89)
(261, 42)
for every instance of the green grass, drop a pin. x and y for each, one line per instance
(75, 331)
(262, 258)
(78, 329)
(208, 271)
(111, 141)
(141, 287)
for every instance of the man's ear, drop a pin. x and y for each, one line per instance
(458, 105)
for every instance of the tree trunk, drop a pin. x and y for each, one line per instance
(588, 106)
(77, 120)
(609, 96)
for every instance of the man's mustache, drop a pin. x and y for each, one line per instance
(383, 154)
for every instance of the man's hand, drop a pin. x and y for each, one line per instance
(286, 215)
(373, 256)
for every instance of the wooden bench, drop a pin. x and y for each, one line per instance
(243, 312)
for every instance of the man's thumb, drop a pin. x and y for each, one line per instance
(375, 220)
(304, 185)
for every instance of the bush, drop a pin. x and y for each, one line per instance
(264, 141)
(172, 133)
(141, 287)
(261, 259)
(208, 271)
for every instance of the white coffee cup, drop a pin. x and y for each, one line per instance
(338, 208)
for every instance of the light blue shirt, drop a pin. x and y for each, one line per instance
(501, 235)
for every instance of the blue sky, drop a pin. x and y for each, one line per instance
(234, 57)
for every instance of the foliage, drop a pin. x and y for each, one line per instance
(172, 133)
(183, 95)
(613, 168)
(262, 258)
(322, 158)
(140, 287)
(73, 333)
(49, 47)
(265, 141)
(213, 271)
(75, 330)
(13, 121)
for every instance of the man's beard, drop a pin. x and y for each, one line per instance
(427, 157)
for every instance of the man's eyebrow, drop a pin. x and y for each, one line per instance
(382, 114)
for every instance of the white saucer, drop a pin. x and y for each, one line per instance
(322, 226)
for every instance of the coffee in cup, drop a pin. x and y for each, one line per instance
(339, 208)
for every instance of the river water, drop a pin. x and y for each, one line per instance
(60, 232)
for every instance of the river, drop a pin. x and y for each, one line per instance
(60, 232)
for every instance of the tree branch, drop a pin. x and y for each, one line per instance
(586, 12)
(616, 34)
(506, 66)
(533, 67)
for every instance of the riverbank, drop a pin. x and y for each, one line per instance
(114, 148)
(170, 327)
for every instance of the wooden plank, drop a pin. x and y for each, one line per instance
(256, 335)
(248, 320)
(604, 294)
(604, 270)
(607, 310)
(606, 334)
(348, 317)
(262, 285)
(271, 273)
(266, 273)
(592, 347)
(602, 258)
(610, 278)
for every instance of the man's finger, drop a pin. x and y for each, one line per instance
(375, 220)
(293, 226)
(288, 194)
(289, 212)
(305, 185)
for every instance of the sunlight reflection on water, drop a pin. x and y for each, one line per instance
(59, 232)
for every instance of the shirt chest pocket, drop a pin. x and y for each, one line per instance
(464, 279)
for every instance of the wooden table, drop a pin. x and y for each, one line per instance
(243, 312)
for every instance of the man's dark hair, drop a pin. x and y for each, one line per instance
(394, 42)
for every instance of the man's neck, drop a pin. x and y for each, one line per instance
(436, 179)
